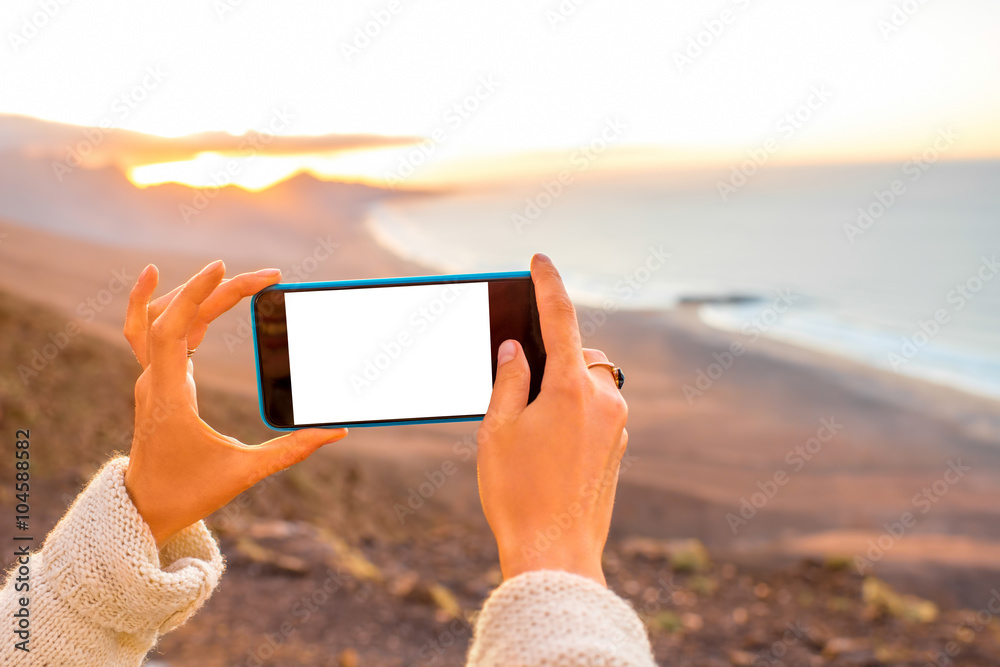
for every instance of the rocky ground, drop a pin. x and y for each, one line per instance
(297, 596)
(315, 577)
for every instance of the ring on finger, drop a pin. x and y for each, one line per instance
(616, 371)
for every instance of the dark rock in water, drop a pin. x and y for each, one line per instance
(719, 299)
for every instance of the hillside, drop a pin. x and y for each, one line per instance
(405, 593)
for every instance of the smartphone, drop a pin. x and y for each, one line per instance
(389, 351)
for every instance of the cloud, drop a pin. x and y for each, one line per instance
(98, 147)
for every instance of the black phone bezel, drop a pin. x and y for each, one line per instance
(275, 392)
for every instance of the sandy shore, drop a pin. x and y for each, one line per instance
(757, 435)
(722, 466)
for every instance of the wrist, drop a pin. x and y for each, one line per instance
(161, 533)
(529, 558)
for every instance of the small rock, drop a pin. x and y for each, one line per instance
(839, 603)
(881, 599)
(348, 658)
(741, 658)
(837, 562)
(666, 621)
(260, 554)
(756, 637)
(692, 622)
(689, 556)
(263, 529)
(402, 584)
(685, 555)
(343, 556)
(684, 598)
(703, 585)
(445, 600)
(646, 547)
(839, 646)
(892, 655)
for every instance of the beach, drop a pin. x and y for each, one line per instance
(769, 455)
(765, 483)
(387, 525)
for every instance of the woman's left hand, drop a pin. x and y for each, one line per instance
(181, 469)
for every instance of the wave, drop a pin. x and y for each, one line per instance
(911, 354)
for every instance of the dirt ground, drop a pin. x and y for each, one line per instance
(320, 573)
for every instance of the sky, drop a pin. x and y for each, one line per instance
(851, 80)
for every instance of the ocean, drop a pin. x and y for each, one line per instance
(893, 265)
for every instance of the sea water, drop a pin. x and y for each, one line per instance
(894, 265)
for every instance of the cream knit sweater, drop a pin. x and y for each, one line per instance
(101, 594)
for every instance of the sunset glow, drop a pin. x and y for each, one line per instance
(372, 167)
(529, 79)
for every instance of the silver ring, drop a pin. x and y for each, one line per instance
(616, 372)
(191, 352)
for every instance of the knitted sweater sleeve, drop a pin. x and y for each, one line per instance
(99, 591)
(558, 618)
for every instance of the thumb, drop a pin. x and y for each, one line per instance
(287, 450)
(510, 390)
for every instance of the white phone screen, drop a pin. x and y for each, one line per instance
(386, 353)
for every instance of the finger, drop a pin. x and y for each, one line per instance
(591, 355)
(557, 317)
(135, 315)
(510, 390)
(600, 373)
(287, 450)
(168, 332)
(160, 303)
(227, 295)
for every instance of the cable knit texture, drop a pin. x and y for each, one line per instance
(101, 593)
(558, 618)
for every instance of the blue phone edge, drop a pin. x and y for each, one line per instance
(407, 280)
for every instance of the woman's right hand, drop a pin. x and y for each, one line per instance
(548, 471)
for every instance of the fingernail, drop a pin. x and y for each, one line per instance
(542, 256)
(336, 435)
(212, 267)
(268, 273)
(506, 352)
(145, 272)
